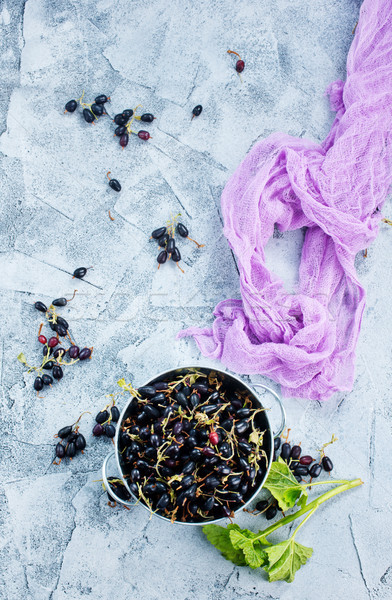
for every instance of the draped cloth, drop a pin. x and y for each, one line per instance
(306, 341)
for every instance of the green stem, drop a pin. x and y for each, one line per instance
(328, 481)
(347, 485)
(304, 521)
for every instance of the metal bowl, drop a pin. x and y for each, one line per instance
(262, 422)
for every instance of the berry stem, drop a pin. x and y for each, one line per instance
(232, 52)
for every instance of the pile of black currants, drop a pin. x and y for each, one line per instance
(167, 244)
(104, 421)
(71, 441)
(301, 465)
(54, 354)
(90, 112)
(124, 122)
(192, 449)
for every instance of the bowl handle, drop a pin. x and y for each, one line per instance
(282, 410)
(107, 484)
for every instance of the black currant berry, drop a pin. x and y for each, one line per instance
(40, 306)
(162, 257)
(109, 430)
(170, 246)
(84, 353)
(127, 113)
(156, 234)
(60, 450)
(197, 110)
(115, 185)
(88, 115)
(97, 430)
(97, 109)
(57, 372)
(59, 302)
(120, 119)
(119, 130)
(38, 384)
(71, 106)
(47, 379)
(48, 365)
(102, 416)
(73, 351)
(315, 470)
(65, 432)
(147, 118)
(327, 464)
(176, 256)
(80, 442)
(101, 99)
(71, 450)
(59, 352)
(115, 414)
(182, 230)
(61, 330)
(80, 272)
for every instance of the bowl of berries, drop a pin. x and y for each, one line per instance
(193, 445)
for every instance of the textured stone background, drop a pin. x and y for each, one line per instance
(59, 540)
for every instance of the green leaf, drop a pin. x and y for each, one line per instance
(254, 555)
(220, 538)
(21, 358)
(285, 559)
(283, 485)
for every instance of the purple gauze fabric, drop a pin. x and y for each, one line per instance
(307, 341)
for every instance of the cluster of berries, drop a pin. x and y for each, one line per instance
(124, 122)
(301, 465)
(165, 238)
(71, 441)
(104, 421)
(53, 352)
(90, 112)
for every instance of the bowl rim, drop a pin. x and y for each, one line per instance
(268, 432)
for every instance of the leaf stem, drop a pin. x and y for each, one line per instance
(312, 506)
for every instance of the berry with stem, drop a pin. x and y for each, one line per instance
(196, 111)
(113, 183)
(239, 65)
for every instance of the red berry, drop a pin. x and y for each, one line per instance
(124, 140)
(240, 66)
(144, 135)
(42, 339)
(53, 341)
(214, 438)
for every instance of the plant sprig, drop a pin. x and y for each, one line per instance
(282, 560)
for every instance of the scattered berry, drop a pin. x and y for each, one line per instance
(197, 111)
(113, 183)
(240, 65)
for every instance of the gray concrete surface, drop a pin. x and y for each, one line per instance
(59, 539)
